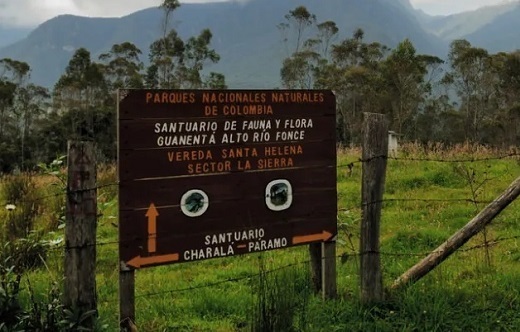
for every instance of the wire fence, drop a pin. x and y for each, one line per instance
(341, 257)
(63, 192)
(348, 252)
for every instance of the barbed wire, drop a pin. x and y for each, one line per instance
(350, 165)
(427, 200)
(343, 257)
(62, 192)
(384, 253)
(426, 159)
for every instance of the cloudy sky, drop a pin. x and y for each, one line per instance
(33, 12)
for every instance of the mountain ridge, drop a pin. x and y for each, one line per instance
(245, 34)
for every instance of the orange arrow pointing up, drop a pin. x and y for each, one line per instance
(138, 261)
(323, 236)
(152, 214)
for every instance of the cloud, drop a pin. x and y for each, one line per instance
(32, 12)
(446, 7)
(100, 8)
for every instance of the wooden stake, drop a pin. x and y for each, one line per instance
(462, 236)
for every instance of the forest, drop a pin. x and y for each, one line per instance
(470, 96)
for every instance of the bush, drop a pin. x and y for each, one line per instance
(47, 314)
(19, 191)
(25, 254)
(10, 309)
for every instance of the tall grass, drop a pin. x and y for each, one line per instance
(476, 289)
(281, 299)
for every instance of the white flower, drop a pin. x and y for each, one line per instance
(10, 207)
(56, 242)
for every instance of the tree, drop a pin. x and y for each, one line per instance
(82, 97)
(123, 66)
(175, 63)
(21, 105)
(301, 19)
(168, 7)
(166, 56)
(83, 85)
(503, 127)
(473, 81)
(298, 70)
(355, 75)
(196, 53)
(405, 78)
(13, 75)
(327, 31)
(215, 81)
(29, 107)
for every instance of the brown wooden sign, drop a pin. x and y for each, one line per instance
(207, 174)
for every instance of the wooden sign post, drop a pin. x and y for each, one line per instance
(217, 173)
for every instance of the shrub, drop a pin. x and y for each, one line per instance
(47, 314)
(10, 308)
(26, 253)
(19, 191)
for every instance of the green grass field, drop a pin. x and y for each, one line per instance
(426, 201)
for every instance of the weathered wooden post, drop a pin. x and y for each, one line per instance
(79, 291)
(328, 269)
(323, 268)
(126, 299)
(315, 260)
(375, 155)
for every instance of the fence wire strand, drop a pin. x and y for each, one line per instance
(343, 256)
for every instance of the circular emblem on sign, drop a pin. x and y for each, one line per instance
(194, 203)
(278, 195)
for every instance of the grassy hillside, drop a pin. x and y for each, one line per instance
(430, 193)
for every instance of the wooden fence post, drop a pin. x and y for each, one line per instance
(375, 155)
(79, 292)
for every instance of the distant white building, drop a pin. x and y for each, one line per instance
(393, 143)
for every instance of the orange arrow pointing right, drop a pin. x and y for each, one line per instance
(138, 261)
(323, 236)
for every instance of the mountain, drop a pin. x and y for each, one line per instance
(9, 35)
(461, 25)
(245, 34)
(500, 34)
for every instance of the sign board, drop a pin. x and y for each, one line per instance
(217, 173)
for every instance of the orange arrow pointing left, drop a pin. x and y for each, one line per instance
(323, 236)
(138, 261)
(152, 214)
